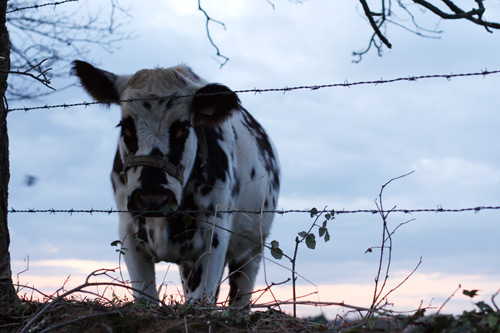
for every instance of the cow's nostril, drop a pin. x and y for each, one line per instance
(150, 200)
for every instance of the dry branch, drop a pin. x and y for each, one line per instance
(388, 15)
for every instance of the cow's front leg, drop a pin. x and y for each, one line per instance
(140, 264)
(201, 275)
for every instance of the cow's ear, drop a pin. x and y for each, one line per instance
(214, 103)
(103, 86)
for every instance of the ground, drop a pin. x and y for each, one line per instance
(70, 315)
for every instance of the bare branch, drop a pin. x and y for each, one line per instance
(380, 20)
(55, 37)
(36, 6)
(450, 297)
(218, 54)
(375, 26)
(40, 77)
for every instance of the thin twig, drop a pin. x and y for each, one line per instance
(402, 282)
(39, 6)
(450, 297)
(48, 306)
(218, 54)
(375, 27)
(493, 300)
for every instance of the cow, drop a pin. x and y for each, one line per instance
(188, 149)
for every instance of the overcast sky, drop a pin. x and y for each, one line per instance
(337, 146)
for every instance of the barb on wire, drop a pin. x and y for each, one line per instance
(110, 211)
(36, 6)
(284, 90)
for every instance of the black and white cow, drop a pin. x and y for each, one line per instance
(200, 152)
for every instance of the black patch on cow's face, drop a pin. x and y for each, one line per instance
(152, 177)
(117, 168)
(129, 134)
(179, 132)
(151, 195)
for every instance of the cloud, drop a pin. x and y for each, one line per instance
(337, 146)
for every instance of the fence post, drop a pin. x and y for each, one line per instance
(7, 291)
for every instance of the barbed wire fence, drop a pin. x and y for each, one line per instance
(312, 212)
(346, 83)
(91, 211)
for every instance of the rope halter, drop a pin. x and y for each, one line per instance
(176, 171)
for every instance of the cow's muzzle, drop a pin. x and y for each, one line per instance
(152, 202)
(156, 200)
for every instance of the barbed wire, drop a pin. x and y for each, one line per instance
(312, 211)
(39, 6)
(259, 91)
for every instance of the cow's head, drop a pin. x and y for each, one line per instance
(158, 141)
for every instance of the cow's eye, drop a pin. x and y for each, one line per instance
(126, 132)
(183, 130)
(129, 134)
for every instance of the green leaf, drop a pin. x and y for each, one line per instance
(484, 307)
(321, 231)
(313, 211)
(169, 208)
(327, 216)
(492, 320)
(115, 243)
(324, 224)
(470, 293)
(327, 236)
(277, 253)
(419, 314)
(186, 219)
(311, 241)
(302, 234)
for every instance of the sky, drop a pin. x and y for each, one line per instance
(337, 147)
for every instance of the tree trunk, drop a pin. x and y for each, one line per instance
(7, 291)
